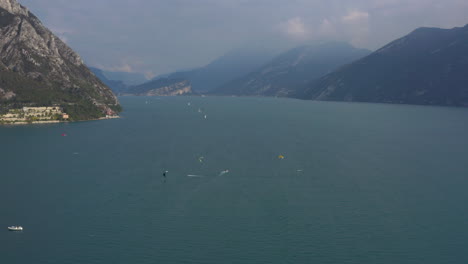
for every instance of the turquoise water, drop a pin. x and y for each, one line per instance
(360, 183)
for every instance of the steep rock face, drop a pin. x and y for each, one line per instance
(13, 7)
(40, 69)
(162, 87)
(293, 69)
(427, 67)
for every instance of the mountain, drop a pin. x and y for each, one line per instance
(222, 70)
(117, 87)
(293, 69)
(162, 87)
(38, 69)
(427, 67)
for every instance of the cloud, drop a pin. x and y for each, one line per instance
(116, 68)
(123, 68)
(356, 26)
(327, 28)
(356, 16)
(295, 28)
(167, 35)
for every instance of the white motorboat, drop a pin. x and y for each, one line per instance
(15, 228)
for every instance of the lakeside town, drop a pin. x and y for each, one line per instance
(27, 115)
(39, 115)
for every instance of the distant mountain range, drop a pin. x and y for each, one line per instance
(116, 86)
(292, 70)
(38, 69)
(162, 87)
(229, 67)
(128, 78)
(119, 82)
(428, 67)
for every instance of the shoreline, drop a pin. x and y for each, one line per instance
(22, 123)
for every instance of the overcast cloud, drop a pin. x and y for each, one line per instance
(159, 36)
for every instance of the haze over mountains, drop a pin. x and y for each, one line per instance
(228, 67)
(39, 69)
(128, 78)
(293, 69)
(253, 73)
(117, 86)
(429, 66)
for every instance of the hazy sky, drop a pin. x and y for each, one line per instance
(159, 36)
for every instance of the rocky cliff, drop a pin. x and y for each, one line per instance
(162, 87)
(38, 69)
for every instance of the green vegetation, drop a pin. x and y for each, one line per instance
(82, 111)
(116, 108)
(39, 93)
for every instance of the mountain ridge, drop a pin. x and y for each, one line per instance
(162, 87)
(292, 69)
(41, 70)
(226, 68)
(429, 66)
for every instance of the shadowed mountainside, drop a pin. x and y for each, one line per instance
(427, 67)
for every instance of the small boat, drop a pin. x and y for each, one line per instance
(15, 228)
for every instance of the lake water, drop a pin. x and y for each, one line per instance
(359, 183)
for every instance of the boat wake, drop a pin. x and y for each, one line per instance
(223, 172)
